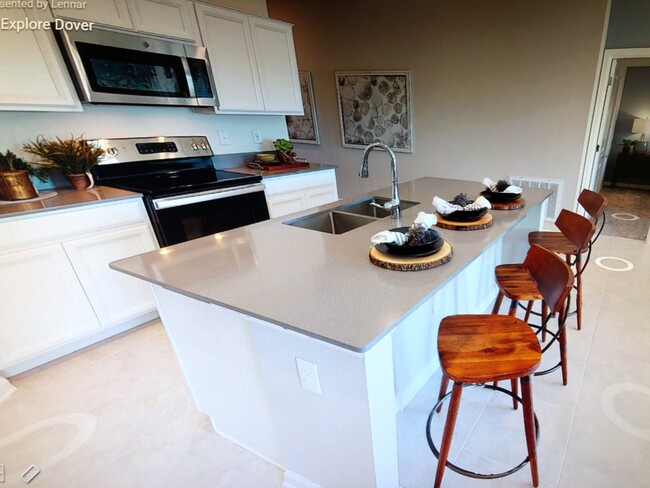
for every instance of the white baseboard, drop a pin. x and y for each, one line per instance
(293, 480)
(17, 367)
(6, 389)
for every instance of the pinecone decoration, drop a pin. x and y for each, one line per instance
(502, 185)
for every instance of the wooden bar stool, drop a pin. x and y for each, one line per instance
(573, 240)
(594, 204)
(542, 276)
(481, 349)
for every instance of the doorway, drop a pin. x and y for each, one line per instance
(604, 164)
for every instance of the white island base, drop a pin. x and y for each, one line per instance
(243, 373)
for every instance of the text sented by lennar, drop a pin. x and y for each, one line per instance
(26, 23)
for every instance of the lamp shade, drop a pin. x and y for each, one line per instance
(641, 126)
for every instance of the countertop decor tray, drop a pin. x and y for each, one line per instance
(410, 263)
(483, 223)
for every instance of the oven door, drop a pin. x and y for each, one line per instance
(185, 217)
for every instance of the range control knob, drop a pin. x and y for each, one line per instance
(194, 146)
(204, 146)
(112, 151)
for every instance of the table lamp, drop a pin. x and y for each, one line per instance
(641, 126)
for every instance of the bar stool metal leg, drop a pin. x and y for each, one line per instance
(448, 432)
(579, 290)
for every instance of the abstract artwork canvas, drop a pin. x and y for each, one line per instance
(304, 128)
(375, 106)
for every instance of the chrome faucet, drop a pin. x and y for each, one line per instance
(394, 204)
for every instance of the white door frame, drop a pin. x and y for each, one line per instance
(598, 115)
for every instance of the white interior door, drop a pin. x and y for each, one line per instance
(604, 141)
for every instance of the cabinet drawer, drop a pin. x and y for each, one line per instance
(58, 224)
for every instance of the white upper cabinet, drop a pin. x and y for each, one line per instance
(276, 61)
(113, 13)
(38, 79)
(169, 18)
(227, 35)
(253, 61)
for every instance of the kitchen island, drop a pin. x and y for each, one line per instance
(301, 350)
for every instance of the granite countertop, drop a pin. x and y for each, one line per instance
(282, 172)
(65, 198)
(319, 284)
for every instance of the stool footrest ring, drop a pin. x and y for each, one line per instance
(464, 471)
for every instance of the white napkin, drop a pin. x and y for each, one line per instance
(421, 223)
(445, 208)
(493, 186)
(388, 237)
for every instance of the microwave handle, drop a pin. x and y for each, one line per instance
(188, 77)
(205, 196)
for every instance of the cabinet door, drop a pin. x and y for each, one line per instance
(276, 61)
(115, 297)
(227, 36)
(171, 18)
(321, 196)
(113, 13)
(43, 303)
(34, 75)
(285, 204)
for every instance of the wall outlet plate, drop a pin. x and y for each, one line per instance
(308, 374)
(257, 137)
(224, 138)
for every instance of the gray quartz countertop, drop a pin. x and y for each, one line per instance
(320, 284)
(64, 198)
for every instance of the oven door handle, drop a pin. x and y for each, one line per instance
(205, 196)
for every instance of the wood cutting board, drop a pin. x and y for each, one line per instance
(278, 167)
(482, 223)
(410, 263)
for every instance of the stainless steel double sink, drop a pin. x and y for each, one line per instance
(347, 217)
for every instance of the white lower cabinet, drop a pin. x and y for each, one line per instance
(300, 191)
(115, 297)
(58, 292)
(43, 303)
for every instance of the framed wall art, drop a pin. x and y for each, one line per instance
(304, 128)
(375, 106)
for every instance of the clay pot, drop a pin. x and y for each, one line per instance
(82, 181)
(16, 185)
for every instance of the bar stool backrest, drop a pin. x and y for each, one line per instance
(593, 203)
(576, 228)
(552, 275)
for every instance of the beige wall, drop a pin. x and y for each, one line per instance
(499, 88)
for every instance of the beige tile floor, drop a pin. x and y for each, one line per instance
(120, 415)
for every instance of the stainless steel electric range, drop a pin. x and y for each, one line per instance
(185, 196)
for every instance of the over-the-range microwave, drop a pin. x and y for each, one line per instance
(123, 68)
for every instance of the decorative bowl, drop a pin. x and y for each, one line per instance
(433, 245)
(500, 197)
(265, 157)
(466, 215)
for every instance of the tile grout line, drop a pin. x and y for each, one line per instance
(582, 379)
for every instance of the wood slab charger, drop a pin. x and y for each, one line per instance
(513, 205)
(411, 263)
(482, 223)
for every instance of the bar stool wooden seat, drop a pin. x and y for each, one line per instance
(573, 240)
(482, 349)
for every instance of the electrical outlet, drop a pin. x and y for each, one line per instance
(257, 137)
(224, 139)
(308, 374)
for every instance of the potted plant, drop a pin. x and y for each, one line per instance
(74, 157)
(627, 145)
(15, 181)
(283, 149)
